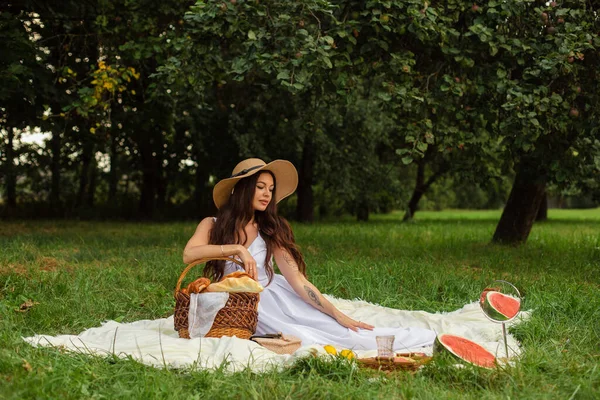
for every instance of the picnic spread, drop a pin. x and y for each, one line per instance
(217, 325)
(157, 343)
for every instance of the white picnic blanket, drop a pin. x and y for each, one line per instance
(156, 343)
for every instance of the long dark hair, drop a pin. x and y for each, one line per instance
(233, 217)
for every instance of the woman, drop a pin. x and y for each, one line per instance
(248, 227)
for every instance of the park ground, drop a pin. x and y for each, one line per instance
(60, 277)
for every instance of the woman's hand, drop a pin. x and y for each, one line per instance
(349, 323)
(249, 262)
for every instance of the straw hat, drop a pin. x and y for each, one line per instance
(286, 178)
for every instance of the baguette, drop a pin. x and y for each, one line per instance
(236, 282)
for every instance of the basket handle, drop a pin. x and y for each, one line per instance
(202, 261)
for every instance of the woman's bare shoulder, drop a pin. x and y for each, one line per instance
(206, 224)
(208, 220)
(202, 233)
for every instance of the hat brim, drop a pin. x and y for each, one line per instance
(286, 178)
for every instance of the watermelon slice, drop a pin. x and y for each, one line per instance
(463, 349)
(500, 307)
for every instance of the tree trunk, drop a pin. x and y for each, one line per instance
(161, 185)
(542, 214)
(521, 208)
(93, 179)
(112, 174)
(55, 170)
(149, 177)
(127, 180)
(362, 210)
(418, 192)
(422, 186)
(202, 200)
(11, 176)
(86, 159)
(305, 205)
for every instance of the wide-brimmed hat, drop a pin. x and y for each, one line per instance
(286, 178)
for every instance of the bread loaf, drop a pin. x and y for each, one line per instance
(198, 285)
(236, 282)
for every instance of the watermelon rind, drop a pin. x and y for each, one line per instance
(491, 311)
(440, 349)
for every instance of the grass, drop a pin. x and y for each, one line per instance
(82, 273)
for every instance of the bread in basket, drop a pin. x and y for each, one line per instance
(238, 317)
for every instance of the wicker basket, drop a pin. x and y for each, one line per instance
(238, 317)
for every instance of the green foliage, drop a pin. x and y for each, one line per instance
(358, 90)
(18, 66)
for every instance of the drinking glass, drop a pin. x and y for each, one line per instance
(385, 346)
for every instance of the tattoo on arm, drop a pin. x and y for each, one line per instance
(288, 259)
(313, 296)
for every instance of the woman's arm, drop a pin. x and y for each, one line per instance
(197, 247)
(310, 294)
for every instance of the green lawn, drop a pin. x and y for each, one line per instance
(82, 273)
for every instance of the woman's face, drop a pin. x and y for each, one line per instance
(263, 192)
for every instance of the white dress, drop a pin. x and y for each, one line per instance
(281, 309)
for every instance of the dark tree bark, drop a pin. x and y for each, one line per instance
(127, 182)
(522, 206)
(11, 176)
(421, 187)
(202, 198)
(362, 210)
(112, 174)
(84, 173)
(417, 192)
(161, 185)
(93, 180)
(305, 205)
(149, 179)
(55, 143)
(542, 214)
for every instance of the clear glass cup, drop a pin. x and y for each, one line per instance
(385, 346)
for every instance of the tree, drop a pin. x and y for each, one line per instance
(473, 76)
(23, 82)
(542, 57)
(263, 50)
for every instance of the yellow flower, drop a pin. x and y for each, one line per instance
(347, 353)
(330, 349)
(92, 130)
(133, 92)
